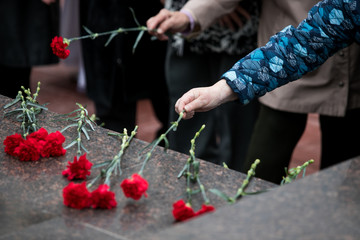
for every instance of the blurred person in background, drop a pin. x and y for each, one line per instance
(195, 61)
(114, 79)
(26, 30)
(332, 90)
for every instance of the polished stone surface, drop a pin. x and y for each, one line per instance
(323, 206)
(31, 204)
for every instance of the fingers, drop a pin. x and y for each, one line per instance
(156, 24)
(167, 22)
(182, 104)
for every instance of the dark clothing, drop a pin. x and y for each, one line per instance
(26, 30)
(276, 128)
(114, 80)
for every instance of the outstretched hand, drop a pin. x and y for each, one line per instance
(167, 21)
(204, 99)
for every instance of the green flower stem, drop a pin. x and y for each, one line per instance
(195, 175)
(162, 137)
(117, 31)
(192, 158)
(188, 186)
(28, 110)
(203, 192)
(116, 162)
(292, 174)
(82, 120)
(115, 165)
(250, 174)
(81, 124)
(93, 181)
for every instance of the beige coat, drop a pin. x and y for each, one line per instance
(330, 90)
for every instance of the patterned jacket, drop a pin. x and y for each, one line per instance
(330, 26)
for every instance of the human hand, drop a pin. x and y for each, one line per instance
(232, 18)
(167, 21)
(204, 99)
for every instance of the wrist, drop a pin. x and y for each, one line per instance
(191, 26)
(226, 93)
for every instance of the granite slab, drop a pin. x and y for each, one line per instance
(31, 204)
(322, 206)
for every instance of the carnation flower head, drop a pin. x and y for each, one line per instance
(28, 150)
(78, 169)
(182, 211)
(58, 45)
(39, 135)
(103, 198)
(77, 196)
(53, 145)
(12, 142)
(135, 186)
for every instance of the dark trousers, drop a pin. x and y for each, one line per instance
(276, 134)
(12, 80)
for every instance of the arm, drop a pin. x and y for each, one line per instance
(204, 99)
(330, 26)
(196, 15)
(206, 12)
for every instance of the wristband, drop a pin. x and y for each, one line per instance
(192, 22)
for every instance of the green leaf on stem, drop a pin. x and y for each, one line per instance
(88, 30)
(221, 194)
(135, 19)
(137, 41)
(110, 38)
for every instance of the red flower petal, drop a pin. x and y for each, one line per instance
(39, 135)
(78, 169)
(135, 186)
(59, 47)
(182, 211)
(12, 142)
(28, 150)
(53, 145)
(103, 198)
(205, 209)
(77, 196)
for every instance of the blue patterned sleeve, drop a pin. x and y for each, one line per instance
(330, 26)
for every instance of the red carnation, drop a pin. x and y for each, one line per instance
(12, 142)
(205, 209)
(102, 198)
(78, 169)
(135, 186)
(58, 46)
(28, 150)
(53, 145)
(182, 211)
(77, 196)
(39, 135)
